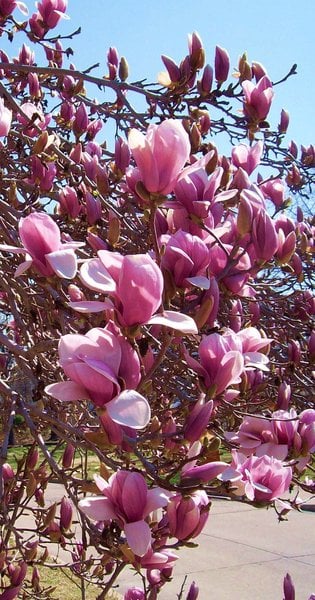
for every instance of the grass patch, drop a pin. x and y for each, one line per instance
(57, 584)
(84, 461)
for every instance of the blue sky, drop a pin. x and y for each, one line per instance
(277, 33)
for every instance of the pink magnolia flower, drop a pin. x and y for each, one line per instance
(42, 175)
(274, 189)
(160, 154)
(274, 437)
(186, 257)
(104, 368)
(33, 118)
(187, 516)
(43, 248)
(51, 11)
(223, 358)
(221, 362)
(260, 478)
(258, 98)
(195, 192)
(247, 157)
(69, 203)
(135, 283)
(5, 119)
(8, 6)
(127, 500)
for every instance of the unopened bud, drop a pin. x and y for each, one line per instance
(123, 70)
(284, 121)
(293, 149)
(19, 573)
(294, 352)
(32, 458)
(7, 472)
(205, 84)
(31, 485)
(195, 138)
(40, 143)
(193, 592)
(35, 579)
(244, 217)
(196, 51)
(113, 229)
(284, 396)
(311, 346)
(75, 295)
(66, 513)
(31, 551)
(50, 515)
(221, 64)
(244, 68)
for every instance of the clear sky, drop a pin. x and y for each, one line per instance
(277, 33)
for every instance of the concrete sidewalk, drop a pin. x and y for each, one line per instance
(243, 554)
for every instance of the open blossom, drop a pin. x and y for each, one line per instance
(247, 157)
(274, 437)
(223, 358)
(186, 256)
(48, 16)
(102, 367)
(135, 285)
(160, 155)
(8, 6)
(134, 281)
(127, 500)
(260, 478)
(33, 118)
(258, 98)
(43, 248)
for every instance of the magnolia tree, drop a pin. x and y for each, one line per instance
(156, 306)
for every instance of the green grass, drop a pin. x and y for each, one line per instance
(82, 460)
(60, 584)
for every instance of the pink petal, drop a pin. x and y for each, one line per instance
(156, 498)
(138, 536)
(96, 277)
(40, 235)
(22, 7)
(175, 320)
(12, 249)
(63, 262)
(130, 409)
(91, 306)
(22, 268)
(199, 281)
(67, 391)
(98, 508)
(102, 368)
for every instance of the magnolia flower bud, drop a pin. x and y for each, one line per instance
(193, 592)
(221, 64)
(66, 513)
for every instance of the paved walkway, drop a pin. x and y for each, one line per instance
(243, 554)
